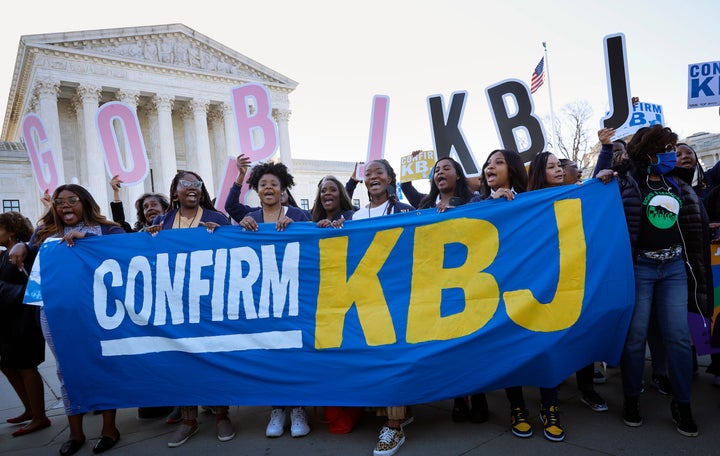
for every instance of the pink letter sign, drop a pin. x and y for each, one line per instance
(43, 162)
(138, 166)
(258, 121)
(378, 129)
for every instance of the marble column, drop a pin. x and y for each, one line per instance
(218, 152)
(130, 97)
(163, 105)
(81, 152)
(153, 148)
(282, 116)
(47, 91)
(97, 178)
(191, 158)
(231, 140)
(202, 144)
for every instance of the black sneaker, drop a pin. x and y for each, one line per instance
(631, 412)
(519, 424)
(684, 422)
(461, 410)
(550, 418)
(593, 400)
(479, 411)
(662, 383)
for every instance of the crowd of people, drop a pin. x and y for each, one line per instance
(670, 253)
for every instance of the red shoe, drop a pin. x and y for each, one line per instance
(18, 419)
(24, 431)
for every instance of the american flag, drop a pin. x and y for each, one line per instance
(538, 76)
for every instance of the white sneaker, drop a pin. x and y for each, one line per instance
(389, 441)
(276, 426)
(299, 422)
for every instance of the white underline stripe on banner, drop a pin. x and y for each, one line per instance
(271, 340)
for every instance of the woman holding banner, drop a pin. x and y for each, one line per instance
(74, 215)
(237, 210)
(191, 208)
(665, 224)
(271, 181)
(449, 188)
(544, 172)
(332, 204)
(503, 175)
(380, 182)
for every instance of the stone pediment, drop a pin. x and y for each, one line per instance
(174, 45)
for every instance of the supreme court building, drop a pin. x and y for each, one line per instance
(177, 79)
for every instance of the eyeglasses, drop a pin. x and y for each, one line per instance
(71, 201)
(188, 184)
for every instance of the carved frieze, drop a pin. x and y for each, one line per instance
(173, 49)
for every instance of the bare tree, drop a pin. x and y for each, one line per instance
(574, 119)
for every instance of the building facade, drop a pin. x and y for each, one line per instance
(178, 81)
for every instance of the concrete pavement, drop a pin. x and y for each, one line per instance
(432, 433)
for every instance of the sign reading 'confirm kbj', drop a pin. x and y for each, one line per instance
(401, 309)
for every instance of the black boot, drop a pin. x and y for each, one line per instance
(631, 411)
(461, 410)
(479, 410)
(684, 422)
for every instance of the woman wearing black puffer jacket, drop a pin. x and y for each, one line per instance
(664, 217)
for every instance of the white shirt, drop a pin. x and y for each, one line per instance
(368, 212)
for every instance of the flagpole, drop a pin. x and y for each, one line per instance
(552, 111)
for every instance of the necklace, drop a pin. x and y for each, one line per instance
(276, 218)
(179, 217)
(385, 206)
(665, 187)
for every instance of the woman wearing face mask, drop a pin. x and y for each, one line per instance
(665, 225)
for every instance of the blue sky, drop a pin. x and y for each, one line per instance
(344, 53)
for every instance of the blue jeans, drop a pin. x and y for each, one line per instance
(660, 288)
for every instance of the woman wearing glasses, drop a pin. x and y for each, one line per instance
(74, 215)
(192, 207)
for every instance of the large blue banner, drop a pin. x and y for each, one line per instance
(401, 309)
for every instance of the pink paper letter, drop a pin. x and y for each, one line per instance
(43, 162)
(138, 166)
(258, 121)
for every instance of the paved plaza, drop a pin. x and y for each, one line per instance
(432, 434)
